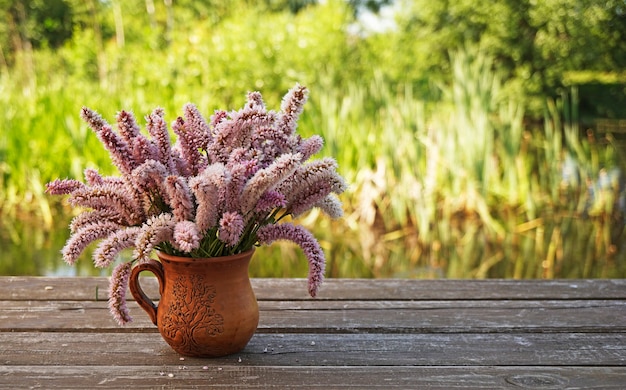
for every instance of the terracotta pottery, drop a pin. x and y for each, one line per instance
(207, 306)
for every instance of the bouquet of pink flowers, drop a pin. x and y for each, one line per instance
(220, 189)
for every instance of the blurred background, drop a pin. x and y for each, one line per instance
(481, 139)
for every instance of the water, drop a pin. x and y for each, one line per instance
(27, 249)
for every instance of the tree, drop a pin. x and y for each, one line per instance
(534, 42)
(33, 24)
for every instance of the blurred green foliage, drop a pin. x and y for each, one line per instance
(271, 42)
(533, 42)
(455, 129)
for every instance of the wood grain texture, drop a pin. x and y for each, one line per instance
(350, 316)
(313, 349)
(91, 288)
(364, 334)
(242, 377)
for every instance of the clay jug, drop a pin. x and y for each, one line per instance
(207, 306)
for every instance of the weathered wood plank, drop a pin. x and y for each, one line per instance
(57, 333)
(91, 288)
(232, 376)
(308, 349)
(313, 304)
(381, 317)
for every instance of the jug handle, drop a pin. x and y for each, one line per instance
(135, 288)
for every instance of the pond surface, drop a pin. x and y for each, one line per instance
(28, 249)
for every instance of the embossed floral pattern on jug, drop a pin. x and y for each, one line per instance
(207, 306)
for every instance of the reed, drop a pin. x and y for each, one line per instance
(463, 188)
(458, 187)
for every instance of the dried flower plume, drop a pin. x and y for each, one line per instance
(221, 188)
(117, 293)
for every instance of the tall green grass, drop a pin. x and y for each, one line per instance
(462, 188)
(457, 187)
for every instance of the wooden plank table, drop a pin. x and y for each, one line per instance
(485, 334)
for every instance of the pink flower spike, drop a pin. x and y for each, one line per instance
(107, 250)
(291, 108)
(112, 197)
(189, 144)
(310, 146)
(127, 125)
(143, 150)
(307, 197)
(240, 172)
(305, 239)
(207, 187)
(93, 119)
(231, 227)
(157, 127)
(309, 175)
(255, 99)
(118, 149)
(267, 178)
(217, 117)
(92, 177)
(198, 126)
(180, 198)
(63, 187)
(91, 217)
(117, 293)
(150, 176)
(84, 236)
(270, 200)
(156, 230)
(331, 206)
(186, 236)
